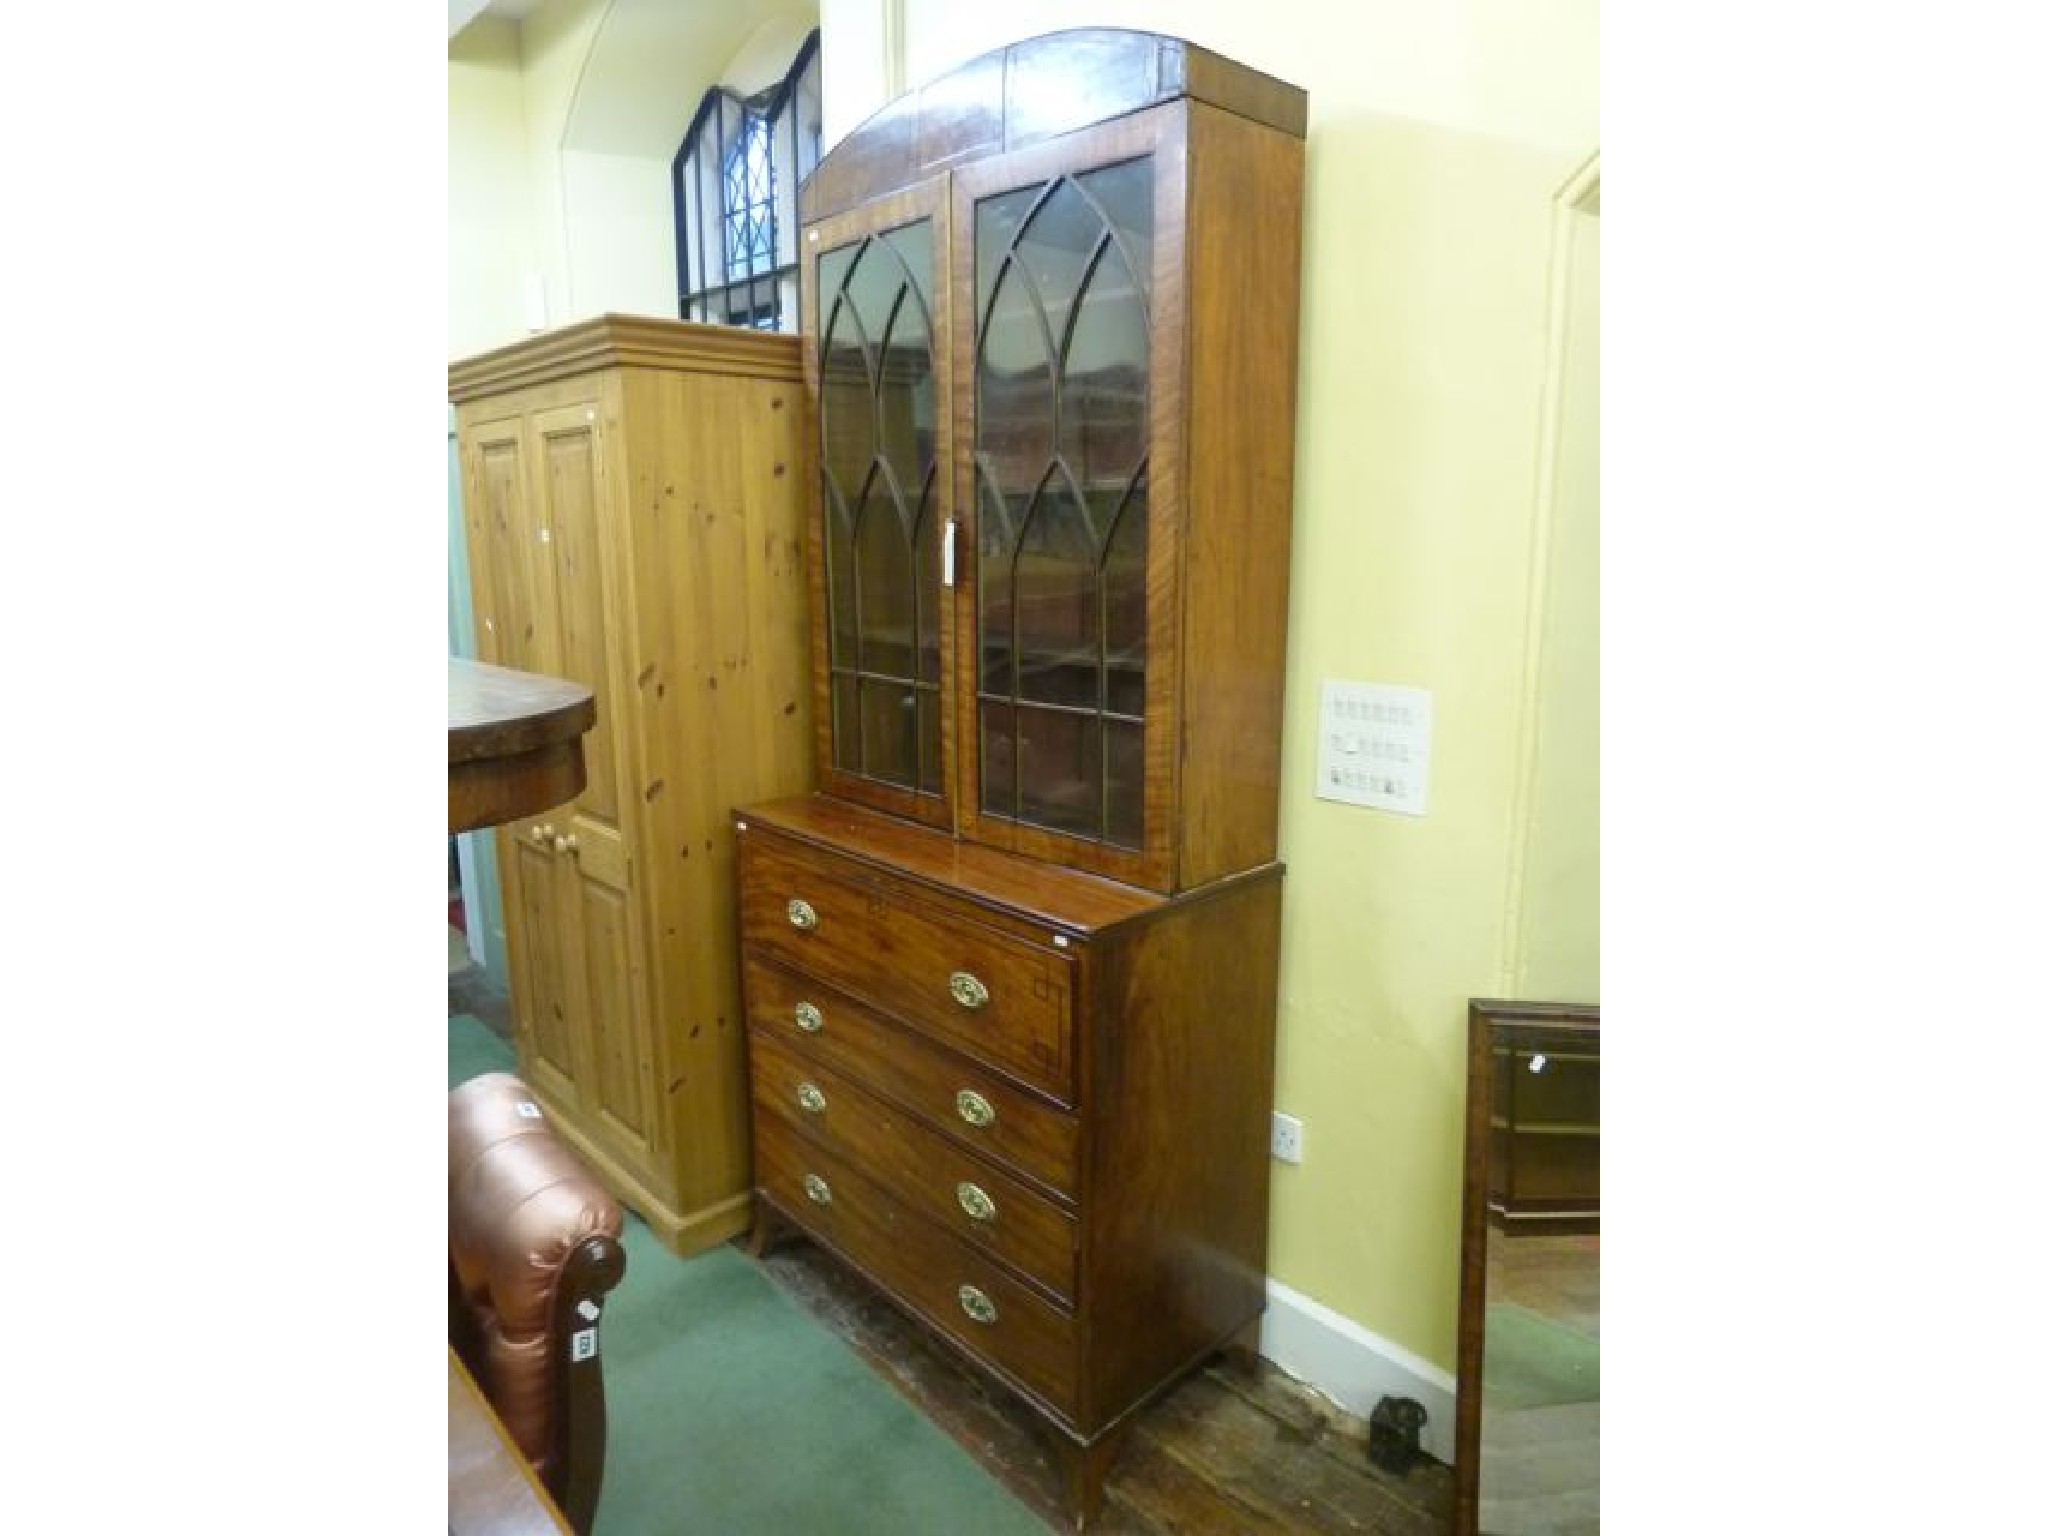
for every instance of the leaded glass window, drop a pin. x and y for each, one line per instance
(750, 199)
(735, 181)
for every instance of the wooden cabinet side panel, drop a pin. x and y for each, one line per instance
(1179, 1109)
(716, 665)
(1244, 267)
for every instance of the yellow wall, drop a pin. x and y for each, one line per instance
(1557, 940)
(492, 239)
(1421, 375)
(1440, 136)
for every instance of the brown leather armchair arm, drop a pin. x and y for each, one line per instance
(533, 1250)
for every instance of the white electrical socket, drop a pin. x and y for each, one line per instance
(1287, 1138)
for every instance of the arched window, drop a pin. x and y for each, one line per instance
(735, 181)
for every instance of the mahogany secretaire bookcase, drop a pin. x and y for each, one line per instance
(1010, 975)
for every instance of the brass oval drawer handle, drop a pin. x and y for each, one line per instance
(975, 1202)
(819, 1191)
(809, 1096)
(974, 1109)
(975, 1303)
(967, 990)
(808, 1018)
(802, 914)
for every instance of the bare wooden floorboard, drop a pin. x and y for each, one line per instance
(1228, 1450)
(1254, 1445)
(1153, 1491)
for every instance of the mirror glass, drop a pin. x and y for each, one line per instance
(1528, 1456)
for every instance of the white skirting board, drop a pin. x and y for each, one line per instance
(1354, 1367)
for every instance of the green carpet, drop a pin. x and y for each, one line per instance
(732, 1410)
(1533, 1362)
(473, 1050)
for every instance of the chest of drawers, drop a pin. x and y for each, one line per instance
(1028, 1103)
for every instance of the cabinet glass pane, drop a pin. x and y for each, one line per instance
(878, 452)
(1061, 400)
(1123, 745)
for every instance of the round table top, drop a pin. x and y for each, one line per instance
(515, 742)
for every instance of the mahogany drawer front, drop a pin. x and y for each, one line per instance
(1024, 1336)
(955, 1190)
(912, 953)
(980, 1109)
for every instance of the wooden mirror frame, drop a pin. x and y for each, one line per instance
(1483, 1016)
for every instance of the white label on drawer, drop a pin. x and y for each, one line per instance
(583, 1344)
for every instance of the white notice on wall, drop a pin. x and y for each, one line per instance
(1372, 746)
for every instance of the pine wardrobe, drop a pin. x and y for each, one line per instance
(634, 521)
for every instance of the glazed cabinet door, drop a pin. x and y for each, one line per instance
(1068, 265)
(877, 318)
